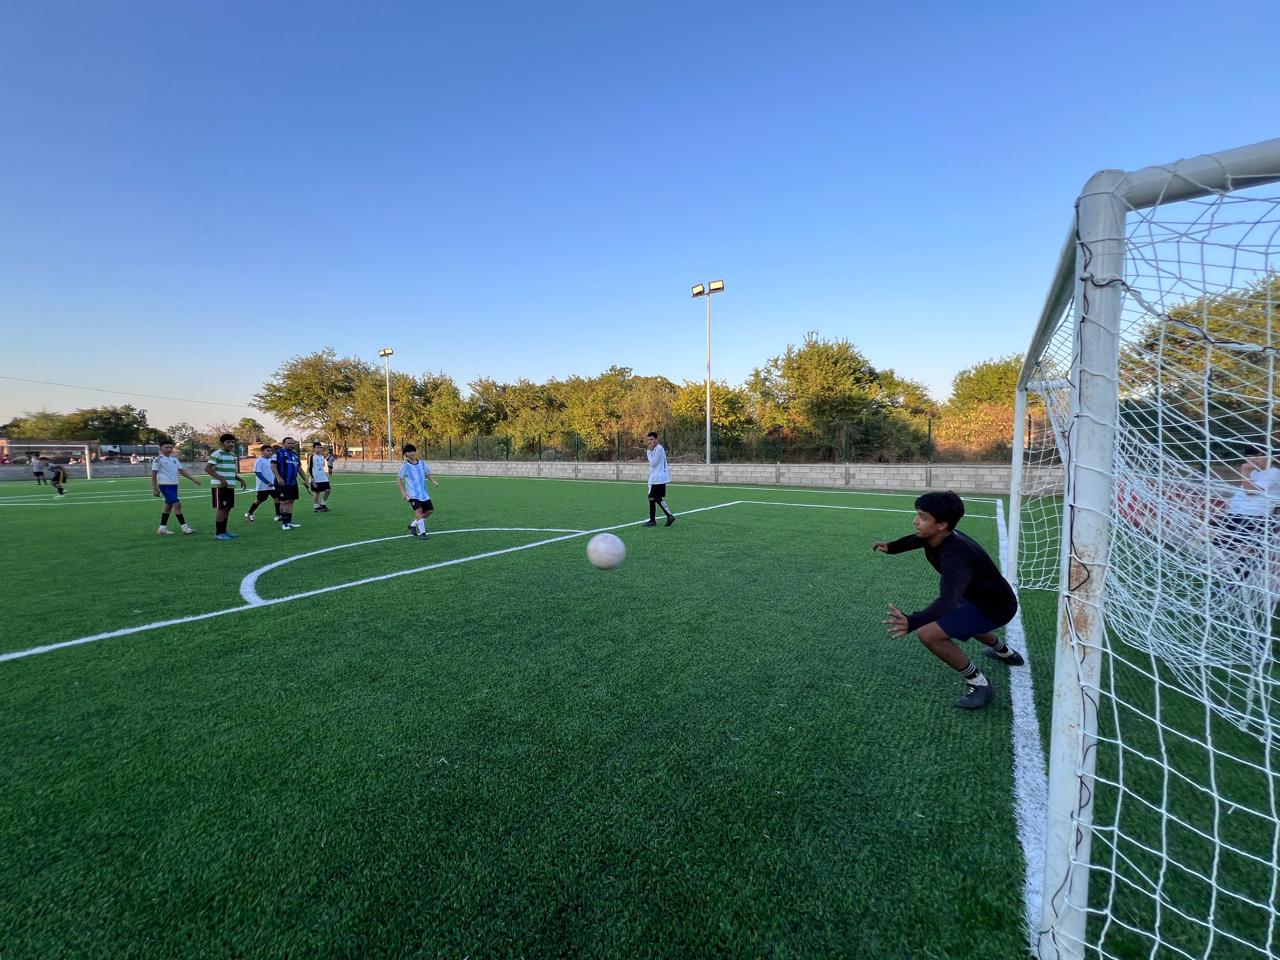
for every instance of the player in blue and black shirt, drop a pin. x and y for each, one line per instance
(285, 467)
(974, 599)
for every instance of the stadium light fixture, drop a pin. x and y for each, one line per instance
(386, 354)
(706, 290)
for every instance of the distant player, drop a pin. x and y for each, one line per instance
(329, 461)
(37, 470)
(264, 483)
(285, 467)
(974, 599)
(224, 467)
(165, 470)
(58, 477)
(319, 472)
(1251, 509)
(659, 477)
(412, 481)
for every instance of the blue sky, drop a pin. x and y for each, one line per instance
(194, 192)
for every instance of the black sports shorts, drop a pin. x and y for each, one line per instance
(657, 491)
(423, 505)
(287, 492)
(224, 498)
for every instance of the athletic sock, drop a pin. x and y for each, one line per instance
(973, 676)
(1001, 649)
(663, 505)
(164, 519)
(182, 520)
(221, 525)
(653, 511)
(421, 525)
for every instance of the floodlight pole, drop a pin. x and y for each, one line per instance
(708, 378)
(386, 353)
(706, 290)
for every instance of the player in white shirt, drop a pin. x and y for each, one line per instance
(264, 482)
(1249, 511)
(412, 480)
(165, 470)
(318, 468)
(659, 476)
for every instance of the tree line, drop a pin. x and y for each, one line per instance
(822, 397)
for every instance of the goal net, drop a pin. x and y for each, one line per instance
(1144, 499)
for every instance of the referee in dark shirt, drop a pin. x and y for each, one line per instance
(974, 599)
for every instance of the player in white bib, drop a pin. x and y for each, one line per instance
(319, 471)
(165, 470)
(659, 476)
(412, 480)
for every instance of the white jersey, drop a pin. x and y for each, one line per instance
(415, 476)
(1260, 502)
(37, 466)
(319, 469)
(262, 475)
(657, 465)
(166, 470)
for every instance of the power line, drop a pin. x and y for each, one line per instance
(125, 393)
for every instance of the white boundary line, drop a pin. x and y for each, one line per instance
(1030, 779)
(248, 586)
(133, 496)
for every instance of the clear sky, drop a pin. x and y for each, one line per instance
(192, 192)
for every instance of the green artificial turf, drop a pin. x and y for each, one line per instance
(713, 750)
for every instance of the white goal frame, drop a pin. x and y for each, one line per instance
(1090, 272)
(42, 447)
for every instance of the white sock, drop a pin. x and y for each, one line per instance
(421, 525)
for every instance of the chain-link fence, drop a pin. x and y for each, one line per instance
(983, 435)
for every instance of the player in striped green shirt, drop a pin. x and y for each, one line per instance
(224, 467)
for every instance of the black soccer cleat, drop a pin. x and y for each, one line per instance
(670, 520)
(975, 698)
(649, 523)
(1014, 659)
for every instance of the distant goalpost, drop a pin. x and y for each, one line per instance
(83, 448)
(1150, 380)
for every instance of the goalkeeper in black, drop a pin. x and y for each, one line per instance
(974, 599)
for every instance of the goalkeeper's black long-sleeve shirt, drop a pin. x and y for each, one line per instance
(967, 574)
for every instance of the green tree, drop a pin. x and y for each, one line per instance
(43, 425)
(730, 410)
(317, 393)
(123, 424)
(986, 383)
(1203, 375)
(249, 430)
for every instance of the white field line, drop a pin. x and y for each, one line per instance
(1030, 780)
(832, 506)
(139, 496)
(248, 586)
(127, 631)
(758, 488)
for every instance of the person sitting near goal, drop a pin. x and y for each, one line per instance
(1251, 509)
(974, 599)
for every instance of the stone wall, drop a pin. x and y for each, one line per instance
(984, 478)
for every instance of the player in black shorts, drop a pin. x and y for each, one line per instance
(974, 599)
(58, 477)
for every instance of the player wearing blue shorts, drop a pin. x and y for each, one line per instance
(165, 470)
(974, 599)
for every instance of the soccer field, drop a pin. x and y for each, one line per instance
(343, 741)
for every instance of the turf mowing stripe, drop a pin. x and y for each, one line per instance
(248, 584)
(126, 631)
(1030, 779)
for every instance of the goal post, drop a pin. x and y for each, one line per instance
(1154, 363)
(84, 449)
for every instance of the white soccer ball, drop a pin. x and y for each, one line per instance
(606, 551)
